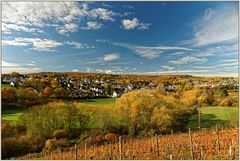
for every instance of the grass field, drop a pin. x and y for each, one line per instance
(210, 116)
(99, 102)
(12, 115)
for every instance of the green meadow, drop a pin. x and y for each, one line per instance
(210, 116)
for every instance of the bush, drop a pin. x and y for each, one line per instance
(111, 136)
(15, 146)
(57, 134)
(10, 147)
(226, 102)
(61, 143)
(52, 144)
(6, 129)
(49, 144)
(54, 116)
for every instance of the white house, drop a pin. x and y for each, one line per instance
(114, 95)
(11, 84)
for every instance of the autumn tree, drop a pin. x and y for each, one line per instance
(27, 97)
(8, 95)
(148, 109)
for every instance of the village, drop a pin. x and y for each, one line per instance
(106, 87)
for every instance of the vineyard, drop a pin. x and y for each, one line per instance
(204, 145)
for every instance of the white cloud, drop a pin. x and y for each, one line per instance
(103, 14)
(43, 44)
(151, 52)
(178, 53)
(88, 69)
(115, 70)
(229, 64)
(129, 24)
(230, 60)
(110, 57)
(167, 67)
(71, 27)
(8, 67)
(78, 45)
(217, 25)
(65, 17)
(36, 43)
(7, 64)
(218, 50)
(102, 40)
(179, 72)
(75, 70)
(21, 70)
(92, 25)
(9, 27)
(186, 59)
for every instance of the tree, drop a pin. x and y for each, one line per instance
(59, 92)
(189, 98)
(144, 110)
(8, 95)
(54, 116)
(54, 84)
(224, 92)
(47, 92)
(27, 97)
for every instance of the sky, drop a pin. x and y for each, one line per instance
(196, 38)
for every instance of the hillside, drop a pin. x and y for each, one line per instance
(206, 145)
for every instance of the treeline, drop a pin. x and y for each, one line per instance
(43, 87)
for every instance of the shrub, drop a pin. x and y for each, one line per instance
(49, 144)
(226, 102)
(62, 133)
(54, 116)
(6, 129)
(61, 143)
(10, 147)
(19, 129)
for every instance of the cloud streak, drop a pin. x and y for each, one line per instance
(186, 60)
(151, 52)
(111, 57)
(8, 67)
(216, 25)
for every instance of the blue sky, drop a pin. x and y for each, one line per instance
(197, 38)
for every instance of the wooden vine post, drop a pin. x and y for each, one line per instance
(157, 147)
(75, 148)
(218, 143)
(199, 120)
(201, 153)
(120, 148)
(85, 151)
(190, 144)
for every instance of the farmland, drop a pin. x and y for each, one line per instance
(203, 145)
